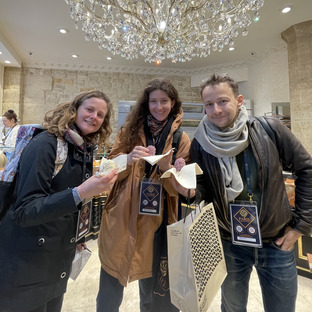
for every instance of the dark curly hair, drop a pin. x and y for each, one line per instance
(138, 114)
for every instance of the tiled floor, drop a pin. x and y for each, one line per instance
(81, 294)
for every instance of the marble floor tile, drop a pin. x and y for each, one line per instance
(81, 294)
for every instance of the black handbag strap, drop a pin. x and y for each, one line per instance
(267, 128)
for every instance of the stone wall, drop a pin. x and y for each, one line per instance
(1, 87)
(299, 44)
(31, 92)
(42, 89)
(12, 90)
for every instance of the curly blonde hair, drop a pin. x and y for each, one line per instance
(63, 116)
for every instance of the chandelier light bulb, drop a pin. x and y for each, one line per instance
(256, 16)
(162, 26)
(164, 29)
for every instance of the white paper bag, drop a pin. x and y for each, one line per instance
(196, 261)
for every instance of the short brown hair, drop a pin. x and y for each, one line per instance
(217, 79)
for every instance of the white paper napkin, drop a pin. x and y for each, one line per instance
(121, 162)
(80, 260)
(186, 177)
(155, 158)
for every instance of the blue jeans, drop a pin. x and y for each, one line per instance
(276, 271)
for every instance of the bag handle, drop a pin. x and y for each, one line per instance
(188, 206)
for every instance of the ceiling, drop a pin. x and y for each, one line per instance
(29, 34)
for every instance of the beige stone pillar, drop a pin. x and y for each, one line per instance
(12, 91)
(299, 42)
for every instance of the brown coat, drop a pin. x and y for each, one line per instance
(126, 238)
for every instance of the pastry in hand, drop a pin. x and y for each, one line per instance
(106, 166)
(151, 150)
(179, 164)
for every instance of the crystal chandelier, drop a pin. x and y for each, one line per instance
(158, 29)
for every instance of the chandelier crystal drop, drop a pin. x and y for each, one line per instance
(160, 29)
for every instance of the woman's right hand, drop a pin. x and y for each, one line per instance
(97, 185)
(137, 153)
(181, 189)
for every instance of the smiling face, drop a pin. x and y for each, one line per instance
(160, 105)
(90, 115)
(221, 105)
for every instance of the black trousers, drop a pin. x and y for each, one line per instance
(54, 305)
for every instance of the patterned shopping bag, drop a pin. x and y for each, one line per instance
(196, 261)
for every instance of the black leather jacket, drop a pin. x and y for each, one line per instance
(275, 211)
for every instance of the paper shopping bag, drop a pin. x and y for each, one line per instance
(196, 261)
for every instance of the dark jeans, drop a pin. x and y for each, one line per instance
(54, 305)
(110, 294)
(276, 271)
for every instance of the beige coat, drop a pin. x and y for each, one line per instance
(126, 238)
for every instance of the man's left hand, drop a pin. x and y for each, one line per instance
(287, 241)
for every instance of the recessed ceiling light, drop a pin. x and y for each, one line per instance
(63, 31)
(0, 52)
(74, 55)
(231, 49)
(109, 58)
(8, 62)
(286, 9)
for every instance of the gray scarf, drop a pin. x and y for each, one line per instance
(225, 145)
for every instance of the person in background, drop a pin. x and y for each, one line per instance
(9, 134)
(38, 233)
(127, 235)
(243, 178)
(2, 129)
(3, 159)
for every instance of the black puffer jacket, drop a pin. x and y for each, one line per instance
(275, 211)
(38, 233)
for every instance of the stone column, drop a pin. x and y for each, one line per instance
(299, 42)
(12, 91)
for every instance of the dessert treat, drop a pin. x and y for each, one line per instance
(106, 166)
(151, 150)
(179, 164)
